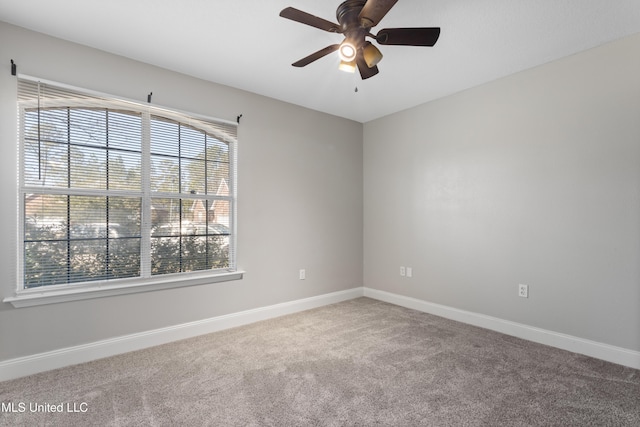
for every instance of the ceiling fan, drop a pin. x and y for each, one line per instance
(356, 18)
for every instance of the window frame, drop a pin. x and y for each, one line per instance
(56, 293)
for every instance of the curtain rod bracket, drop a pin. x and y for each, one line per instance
(13, 68)
(149, 97)
(238, 118)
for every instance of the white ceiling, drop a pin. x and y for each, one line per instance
(245, 44)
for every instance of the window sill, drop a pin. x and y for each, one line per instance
(42, 296)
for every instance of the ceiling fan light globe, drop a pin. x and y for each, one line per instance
(348, 67)
(347, 51)
(371, 55)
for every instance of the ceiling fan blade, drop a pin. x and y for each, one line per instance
(374, 10)
(365, 71)
(306, 18)
(408, 36)
(316, 55)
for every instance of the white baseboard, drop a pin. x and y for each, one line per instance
(23, 366)
(28, 365)
(619, 355)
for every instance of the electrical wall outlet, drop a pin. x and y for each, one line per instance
(523, 291)
(403, 271)
(303, 274)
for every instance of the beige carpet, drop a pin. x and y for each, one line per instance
(360, 362)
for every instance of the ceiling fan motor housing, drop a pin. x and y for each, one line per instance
(348, 17)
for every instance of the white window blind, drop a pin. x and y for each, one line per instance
(115, 190)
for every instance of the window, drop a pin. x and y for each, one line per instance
(115, 192)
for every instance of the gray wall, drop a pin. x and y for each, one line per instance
(300, 199)
(533, 179)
